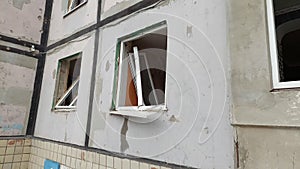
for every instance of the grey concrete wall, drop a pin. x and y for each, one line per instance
(268, 148)
(17, 74)
(60, 125)
(22, 19)
(111, 7)
(62, 27)
(254, 104)
(195, 131)
(253, 101)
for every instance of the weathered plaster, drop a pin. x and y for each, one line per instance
(191, 132)
(66, 126)
(81, 18)
(268, 148)
(22, 19)
(111, 7)
(16, 85)
(253, 101)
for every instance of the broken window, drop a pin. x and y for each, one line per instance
(67, 82)
(142, 71)
(73, 4)
(284, 28)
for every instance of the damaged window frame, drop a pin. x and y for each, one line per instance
(70, 10)
(273, 51)
(141, 111)
(56, 105)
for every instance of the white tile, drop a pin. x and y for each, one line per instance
(109, 161)
(154, 167)
(102, 159)
(73, 162)
(144, 166)
(17, 158)
(95, 166)
(89, 165)
(3, 143)
(125, 164)
(96, 158)
(134, 164)
(117, 163)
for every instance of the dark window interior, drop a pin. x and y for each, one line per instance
(287, 19)
(152, 50)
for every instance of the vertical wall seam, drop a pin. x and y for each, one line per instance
(93, 77)
(39, 70)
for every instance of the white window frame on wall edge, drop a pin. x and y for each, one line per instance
(276, 84)
(56, 107)
(74, 9)
(71, 106)
(138, 111)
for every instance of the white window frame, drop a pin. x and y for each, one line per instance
(66, 94)
(57, 107)
(68, 11)
(274, 52)
(141, 110)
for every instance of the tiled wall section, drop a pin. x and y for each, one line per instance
(75, 158)
(14, 154)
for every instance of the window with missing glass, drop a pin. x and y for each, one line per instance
(284, 34)
(140, 81)
(73, 5)
(67, 83)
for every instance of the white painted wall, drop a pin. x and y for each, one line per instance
(61, 126)
(111, 7)
(22, 19)
(197, 91)
(62, 27)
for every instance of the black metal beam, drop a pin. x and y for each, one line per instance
(116, 154)
(20, 42)
(39, 70)
(18, 51)
(101, 23)
(93, 79)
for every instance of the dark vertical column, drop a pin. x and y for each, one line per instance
(92, 89)
(39, 70)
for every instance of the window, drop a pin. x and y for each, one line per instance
(284, 33)
(141, 75)
(74, 4)
(67, 82)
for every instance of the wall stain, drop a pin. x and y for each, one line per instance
(173, 119)
(189, 31)
(20, 3)
(107, 66)
(124, 143)
(243, 156)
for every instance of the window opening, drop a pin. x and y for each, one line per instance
(142, 71)
(67, 83)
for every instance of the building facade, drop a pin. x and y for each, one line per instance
(149, 84)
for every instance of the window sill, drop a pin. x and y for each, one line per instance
(74, 9)
(286, 85)
(140, 112)
(64, 110)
